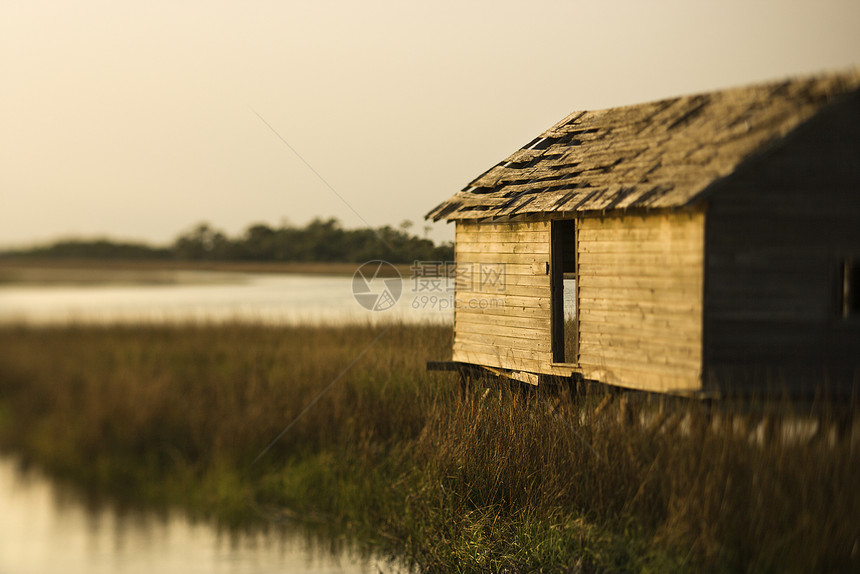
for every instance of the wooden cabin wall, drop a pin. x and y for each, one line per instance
(639, 300)
(777, 232)
(507, 328)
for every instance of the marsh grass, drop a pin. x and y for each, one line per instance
(391, 456)
(569, 337)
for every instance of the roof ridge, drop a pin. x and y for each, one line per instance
(848, 77)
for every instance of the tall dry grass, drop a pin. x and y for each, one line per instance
(497, 479)
(690, 485)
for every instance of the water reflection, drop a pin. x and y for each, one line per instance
(45, 528)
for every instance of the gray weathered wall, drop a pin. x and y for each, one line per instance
(776, 234)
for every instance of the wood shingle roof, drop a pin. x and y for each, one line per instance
(662, 154)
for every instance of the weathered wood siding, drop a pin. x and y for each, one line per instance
(508, 328)
(777, 233)
(639, 300)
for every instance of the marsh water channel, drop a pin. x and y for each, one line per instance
(181, 296)
(48, 527)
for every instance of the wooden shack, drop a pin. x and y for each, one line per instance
(702, 244)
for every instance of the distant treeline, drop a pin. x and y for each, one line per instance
(319, 240)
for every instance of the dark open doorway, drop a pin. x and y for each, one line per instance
(563, 269)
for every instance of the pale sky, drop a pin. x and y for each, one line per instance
(135, 120)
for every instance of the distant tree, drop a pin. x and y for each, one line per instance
(258, 243)
(319, 240)
(202, 242)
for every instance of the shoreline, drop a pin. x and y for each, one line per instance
(36, 271)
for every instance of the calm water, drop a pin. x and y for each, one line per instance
(45, 528)
(275, 298)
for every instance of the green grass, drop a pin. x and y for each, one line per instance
(393, 458)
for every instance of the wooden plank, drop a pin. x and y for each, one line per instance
(674, 309)
(667, 341)
(502, 343)
(635, 319)
(506, 247)
(621, 222)
(690, 331)
(539, 332)
(662, 234)
(540, 367)
(516, 359)
(501, 311)
(502, 227)
(491, 360)
(538, 236)
(493, 350)
(642, 361)
(505, 300)
(512, 346)
(535, 268)
(494, 331)
(646, 380)
(507, 289)
(485, 305)
(620, 294)
(508, 359)
(641, 307)
(535, 225)
(684, 248)
(509, 258)
(643, 270)
(505, 321)
(675, 260)
(557, 369)
(664, 336)
(613, 347)
(527, 280)
(529, 341)
(637, 282)
(497, 299)
(522, 376)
